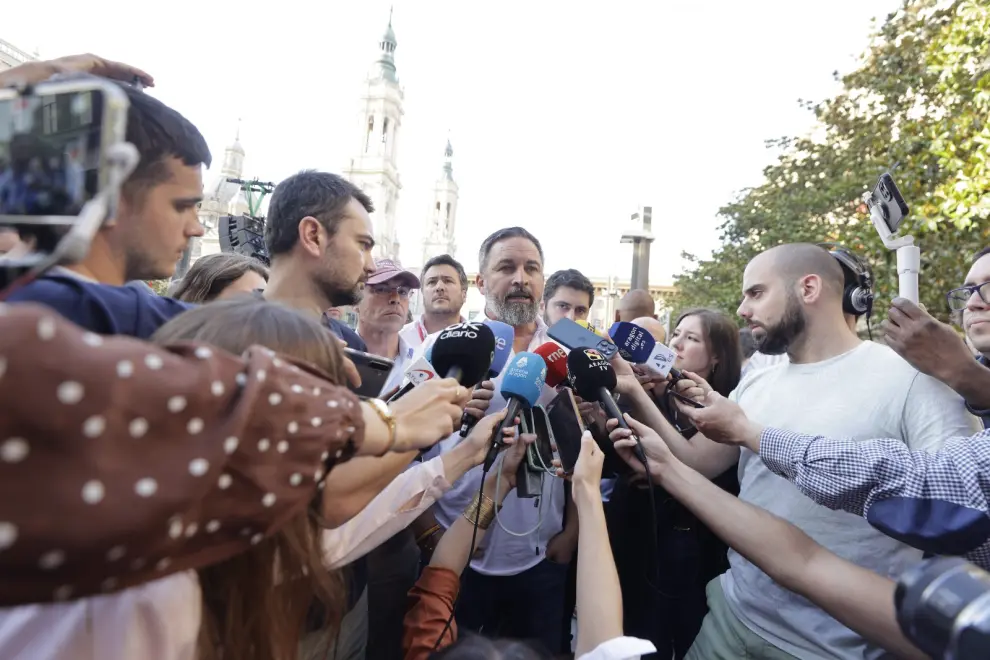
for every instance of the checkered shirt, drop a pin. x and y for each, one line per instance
(936, 501)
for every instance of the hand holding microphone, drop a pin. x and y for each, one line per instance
(504, 336)
(593, 379)
(521, 388)
(427, 414)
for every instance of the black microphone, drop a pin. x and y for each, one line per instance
(593, 378)
(464, 351)
(504, 334)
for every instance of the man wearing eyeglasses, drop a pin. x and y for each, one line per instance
(382, 312)
(934, 348)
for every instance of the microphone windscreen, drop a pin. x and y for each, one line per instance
(589, 371)
(555, 356)
(524, 378)
(635, 344)
(504, 336)
(469, 347)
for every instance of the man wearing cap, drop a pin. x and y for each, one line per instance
(382, 312)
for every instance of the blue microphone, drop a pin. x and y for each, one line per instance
(504, 336)
(635, 344)
(521, 388)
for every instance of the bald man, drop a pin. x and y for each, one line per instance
(835, 385)
(635, 304)
(652, 326)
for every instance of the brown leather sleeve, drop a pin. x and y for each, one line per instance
(122, 462)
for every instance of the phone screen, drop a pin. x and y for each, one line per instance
(50, 153)
(567, 427)
(374, 371)
(571, 335)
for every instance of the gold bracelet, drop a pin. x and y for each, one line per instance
(381, 409)
(427, 534)
(481, 510)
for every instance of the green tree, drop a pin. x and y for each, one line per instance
(160, 286)
(920, 100)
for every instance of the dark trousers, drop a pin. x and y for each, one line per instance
(668, 608)
(393, 569)
(528, 606)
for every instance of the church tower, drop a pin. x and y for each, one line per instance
(442, 219)
(221, 198)
(374, 168)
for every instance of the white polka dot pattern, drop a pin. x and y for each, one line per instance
(148, 461)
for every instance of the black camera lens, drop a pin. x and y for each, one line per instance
(943, 606)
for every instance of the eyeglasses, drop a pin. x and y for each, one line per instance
(385, 290)
(959, 298)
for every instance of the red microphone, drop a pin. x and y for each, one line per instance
(555, 356)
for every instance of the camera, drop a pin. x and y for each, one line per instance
(886, 199)
(943, 606)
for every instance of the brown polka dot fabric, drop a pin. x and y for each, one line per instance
(122, 462)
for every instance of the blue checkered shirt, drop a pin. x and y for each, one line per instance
(938, 502)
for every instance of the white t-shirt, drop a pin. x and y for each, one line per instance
(868, 392)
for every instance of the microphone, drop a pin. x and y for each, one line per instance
(635, 344)
(593, 379)
(504, 336)
(555, 356)
(521, 388)
(418, 373)
(464, 351)
(639, 347)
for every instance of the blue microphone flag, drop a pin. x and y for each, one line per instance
(504, 336)
(635, 344)
(524, 378)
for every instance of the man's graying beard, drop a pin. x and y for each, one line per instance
(515, 312)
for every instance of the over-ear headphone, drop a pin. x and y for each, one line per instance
(857, 296)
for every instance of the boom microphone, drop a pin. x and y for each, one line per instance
(593, 379)
(464, 351)
(555, 356)
(521, 388)
(504, 336)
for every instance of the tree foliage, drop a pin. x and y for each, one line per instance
(920, 100)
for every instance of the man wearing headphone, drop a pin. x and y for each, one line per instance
(797, 300)
(857, 299)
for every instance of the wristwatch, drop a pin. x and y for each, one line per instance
(381, 409)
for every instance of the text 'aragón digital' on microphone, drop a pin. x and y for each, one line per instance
(464, 351)
(504, 336)
(522, 385)
(593, 379)
(555, 356)
(638, 346)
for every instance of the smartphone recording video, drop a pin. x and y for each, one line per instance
(888, 200)
(52, 148)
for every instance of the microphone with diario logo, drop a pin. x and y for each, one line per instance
(593, 379)
(638, 346)
(504, 336)
(555, 356)
(464, 351)
(522, 385)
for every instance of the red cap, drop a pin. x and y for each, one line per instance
(555, 356)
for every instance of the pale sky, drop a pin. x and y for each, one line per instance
(564, 116)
